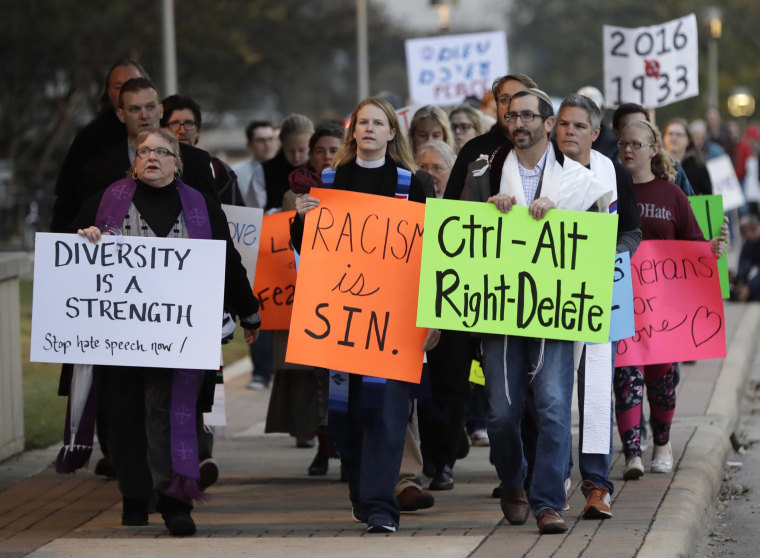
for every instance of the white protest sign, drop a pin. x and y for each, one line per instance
(725, 183)
(245, 230)
(445, 70)
(405, 115)
(752, 180)
(652, 66)
(148, 302)
(597, 402)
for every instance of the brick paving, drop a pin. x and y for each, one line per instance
(266, 505)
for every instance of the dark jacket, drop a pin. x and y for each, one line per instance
(100, 135)
(276, 172)
(483, 144)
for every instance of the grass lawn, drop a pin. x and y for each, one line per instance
(44, 410)
(235, 349)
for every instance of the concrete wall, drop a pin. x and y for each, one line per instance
(11, 394)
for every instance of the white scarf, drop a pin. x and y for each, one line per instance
(604, 171)
(598, 366)
(570, 186)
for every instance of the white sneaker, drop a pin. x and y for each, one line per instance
(479, 438)
(634, 468)
(662, 459)
(568, 484)
(255, 385)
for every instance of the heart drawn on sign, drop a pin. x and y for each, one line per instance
(704, 325)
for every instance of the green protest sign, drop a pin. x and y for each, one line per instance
(709, 213)
(492, 272)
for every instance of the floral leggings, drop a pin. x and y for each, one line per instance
(629, 394)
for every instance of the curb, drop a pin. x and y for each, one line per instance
(682, 515)
(237, 369)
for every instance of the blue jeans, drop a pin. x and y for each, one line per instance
(594, 467)
(552, 391)
(373, 448)
(262, 356)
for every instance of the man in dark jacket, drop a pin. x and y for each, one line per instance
(140, 111)
(486, 144)
(103, 133)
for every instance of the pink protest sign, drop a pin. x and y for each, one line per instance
(677, 304)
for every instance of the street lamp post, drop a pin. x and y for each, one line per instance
(713, 18)
(169, 47)
(362, 49)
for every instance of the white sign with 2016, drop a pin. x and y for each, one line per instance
(652, 66)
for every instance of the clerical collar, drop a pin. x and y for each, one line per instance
(370, 164)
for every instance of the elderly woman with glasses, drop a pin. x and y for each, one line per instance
(139, 401)
(665, 215)
(436, 158)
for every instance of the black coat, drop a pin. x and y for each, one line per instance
(483, 144)
(276, 172)
(95, 139)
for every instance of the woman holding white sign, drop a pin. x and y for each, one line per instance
(151, 411)
(374, 158)
(665, 215)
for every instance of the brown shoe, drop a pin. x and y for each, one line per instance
(550, 523)
(597, 503)
(412, 499)
(514, 504)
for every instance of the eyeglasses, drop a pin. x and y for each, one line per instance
(188, 125)
(465, 126)
(526, 116)
(434, 168)
(504, 100)
(144, 152)
(635, 145)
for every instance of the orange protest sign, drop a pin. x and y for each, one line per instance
(358, 278)
(275, 280)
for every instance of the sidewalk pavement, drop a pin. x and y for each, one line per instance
(265, 504)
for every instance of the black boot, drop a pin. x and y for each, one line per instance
(176, 514)
(319, 465)
(104, 468)
(134, 512)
